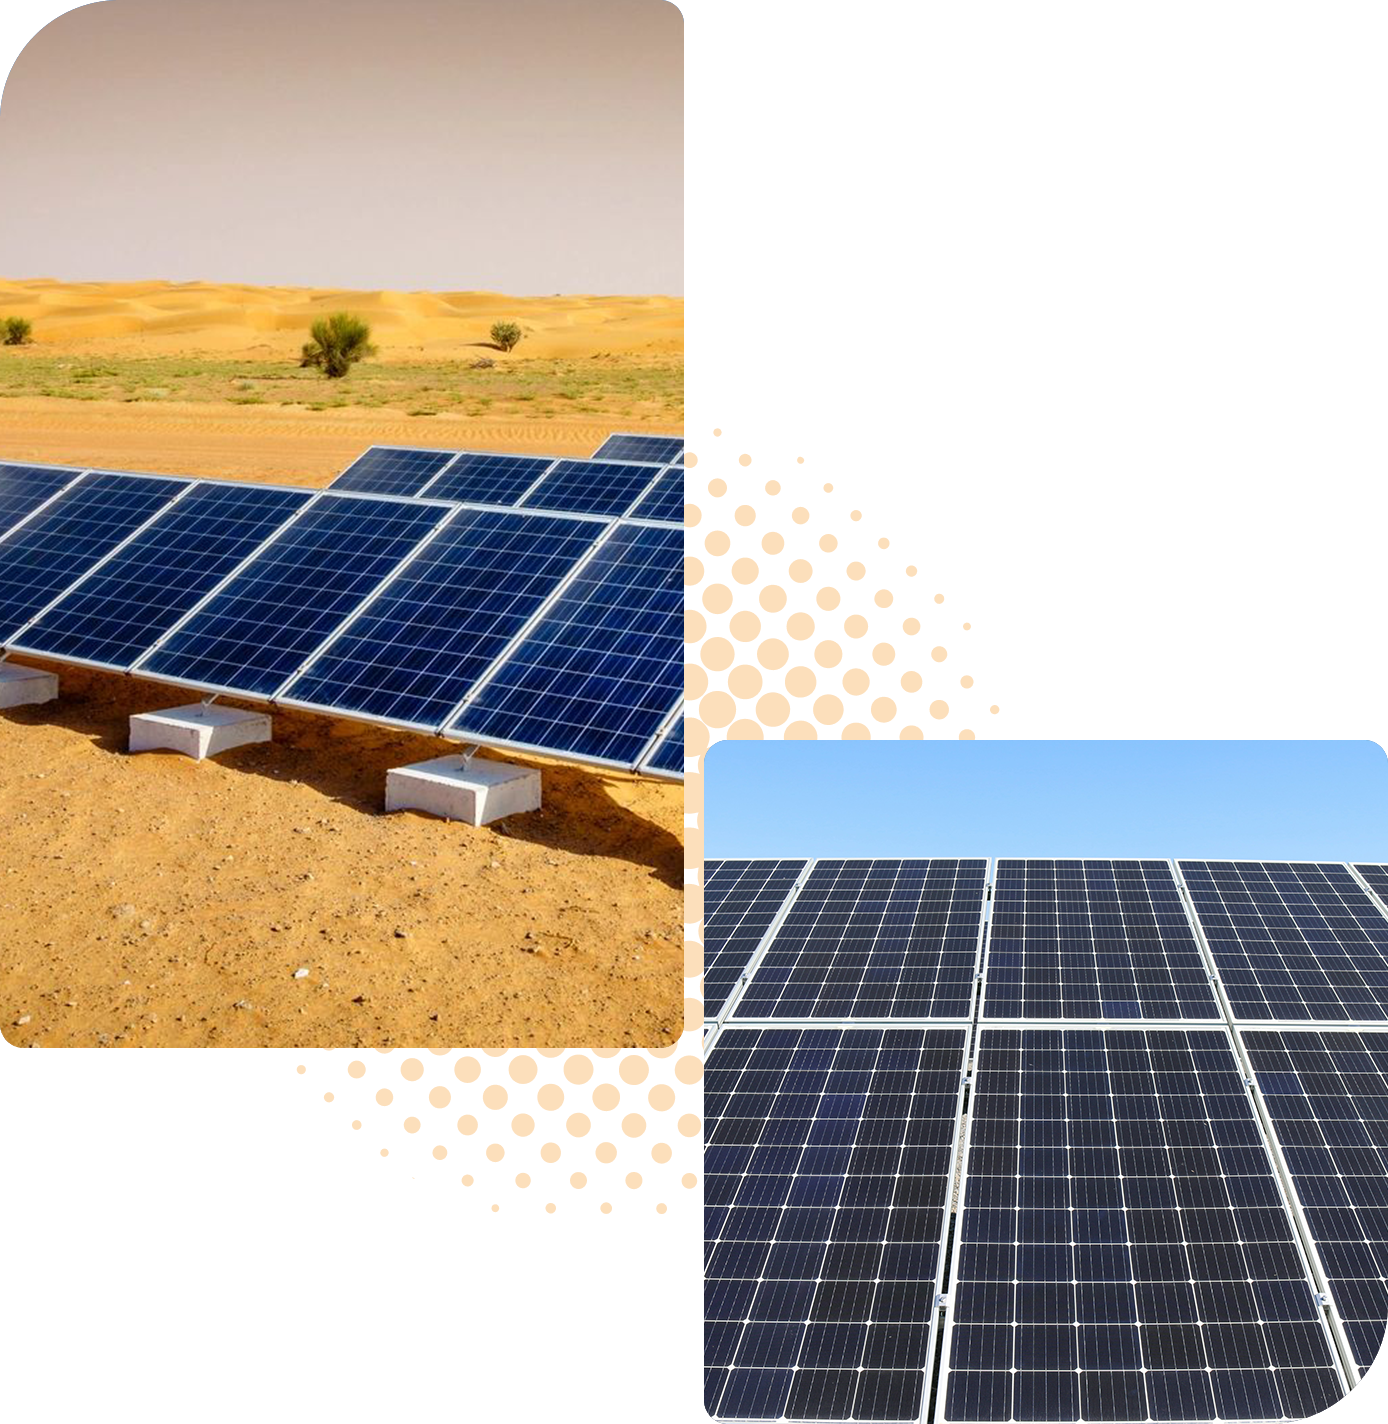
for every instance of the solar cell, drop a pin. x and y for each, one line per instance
(658, 448)
(43, 557)
(600, 672)
(24, 487)
(1123, 1249)
(828, 1160)
(875, 939)
(270, 617)
(1092, 939)
(483, 478)
(668, 757)
(591, 487)
(1376, 878)
(741, 899)
(665, 500)
(1292, 940)
(412, 653)
(1326, 1094)
(137, 595)
(386, 469)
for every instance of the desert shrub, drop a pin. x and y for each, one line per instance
(19, 331)
(506, 334)
(339, 342)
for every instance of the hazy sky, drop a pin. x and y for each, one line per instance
(1219, 800)
(524, 146)
(1037, 158)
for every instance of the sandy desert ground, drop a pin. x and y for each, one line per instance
(151, 900)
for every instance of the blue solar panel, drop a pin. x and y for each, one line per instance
(412, 653)
(24, 487)
(659, 449)
(1292, 940)
(591, 487)
(600, 673)
(665, 500)
(42, 558)
(1327, 1098)
(741, 899)
(1123, 1249)
(1092, 939)
(388, 469)
(669, 755)
(875, 939)
(270, 618)
(478, 478)
(827, 1159)
(1376, 877)
(141, 592)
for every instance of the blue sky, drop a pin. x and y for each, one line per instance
(1222, 800)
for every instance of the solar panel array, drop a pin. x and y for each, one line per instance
(1146, 1213)
(1292, 940)
(875, 939)
(475, 617)
(741, 900)
(1093, 939)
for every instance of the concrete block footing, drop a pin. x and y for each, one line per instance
(199, 731)
(449, 786)
(22, 686)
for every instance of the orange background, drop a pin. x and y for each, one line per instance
(403, 1309)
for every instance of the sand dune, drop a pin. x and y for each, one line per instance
(155, 318)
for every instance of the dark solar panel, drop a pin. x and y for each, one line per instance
(827, 1174)
(1376, 878)
(665, 500)
(140, 593)
(1092, 939)
(413, 652)
(875, 939)
(741, 899)
(386, 469)
(669, 755)
(591, 487)
(658, 448)
(24, 487)
(481, 478)
(270, 618)
(1123, 1250)
(1292, 940)
(600, 672)
(1327, 1096)
(42, 558)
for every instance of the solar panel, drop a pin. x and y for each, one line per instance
(24, 487)
(1292, 940)
(41, 558)
(875, 939)
(591, 487)
(600, 672)
(1326, 1094)
(668, 757)
(1092, 939)
(741, 899)
(828, 1159)
(1376, 877)
(386, 469)
(488, 479)
(412, 653)
(1123, 1249)
(137, 595)
(665, 501)
(658, 448)
(261, 627)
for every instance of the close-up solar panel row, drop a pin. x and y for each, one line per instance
(630, 475)
(554, 633)
(1152, 1221)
